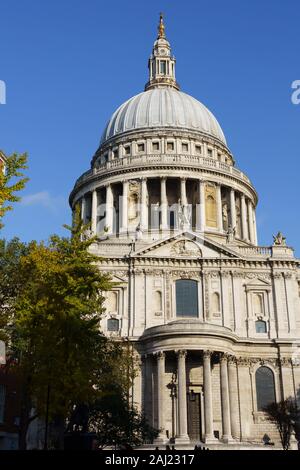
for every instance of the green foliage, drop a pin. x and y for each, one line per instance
(10, 283)
(284, 414)
(115, 422)
(12, 181)
(54, 323)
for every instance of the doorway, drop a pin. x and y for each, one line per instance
(194, 416)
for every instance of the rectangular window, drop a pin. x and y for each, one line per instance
(155, 146)
(186, 298)
(2, 402)
(209, 152)
(163, 67)
(198, 149)
(170, 146)
(141, 147)
(127, 150)
(116, 153)
(185, 147)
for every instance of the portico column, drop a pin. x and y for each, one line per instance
(124, 207)
(94, 211)
(232, 380)
(163, 204)
(201, 212)
(160, 356)
(208, 405)
(250, 219)
(144, 207)
(219, 208)
(225, 398)
(109, 209)
(232, 208)
(83, 209)
(244, 218)
(182, 436)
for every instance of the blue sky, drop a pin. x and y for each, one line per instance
(68, 64)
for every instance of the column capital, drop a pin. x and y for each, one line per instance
(223, 357)
(207, 354)
(181, 353)
(231, 360)
(159, 355)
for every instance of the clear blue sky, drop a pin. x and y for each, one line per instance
(68, 64)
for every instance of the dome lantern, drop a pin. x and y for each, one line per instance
(161, 63)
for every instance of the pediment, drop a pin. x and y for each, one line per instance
(258, 283)
(186, 245)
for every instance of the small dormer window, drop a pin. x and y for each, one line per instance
(127, 150)
(185, 147)
(141, 148)
(198, 149)
(209, 153)
(155, 146)
(170, 146)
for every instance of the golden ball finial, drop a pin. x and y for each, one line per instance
(161, 27)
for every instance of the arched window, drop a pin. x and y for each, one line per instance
(215, 302)
(112, 301)
(112, 324)
(260, 326)
(265, 387)
(157, 301)
(186, 298)
(258, 306)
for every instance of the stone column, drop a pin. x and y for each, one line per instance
(161, 439)
(208, 405)
(254, 225)
(244, 218)
(109, 209)
(163, 204)
(144, 207)
(94, 211)
(83, 209)
(232, 208)
(182, 436)
(201, 212)
(124, 206)
(232, 384)
(225, 399)
(219, 208)
(250, 219)
(183, 191)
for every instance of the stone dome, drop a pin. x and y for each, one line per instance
(162, 107)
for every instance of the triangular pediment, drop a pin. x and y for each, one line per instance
(186, 245)
(257, 282)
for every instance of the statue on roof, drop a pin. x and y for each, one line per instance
(279, 239)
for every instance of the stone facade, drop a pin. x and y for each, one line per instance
(167, 203)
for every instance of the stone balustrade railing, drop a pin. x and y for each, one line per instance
(154, 159)
(255, 250)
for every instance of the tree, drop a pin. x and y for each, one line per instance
(10, 283)
(54, 325)
(284, 414)
(11, 181)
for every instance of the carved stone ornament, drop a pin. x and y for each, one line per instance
(279, 240)
(185, 248)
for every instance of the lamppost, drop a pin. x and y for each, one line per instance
(173, 394)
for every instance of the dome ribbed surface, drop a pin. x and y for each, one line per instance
(162, 107)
